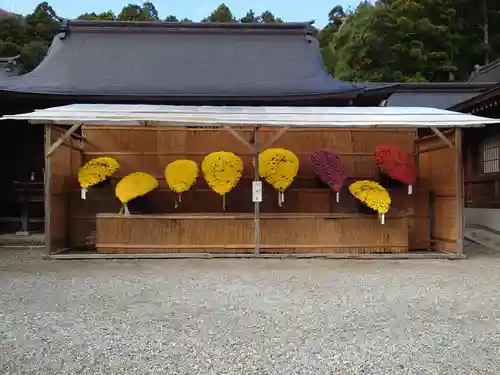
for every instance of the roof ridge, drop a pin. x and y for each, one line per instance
(489, 66)
(87, 25)
(483, 70)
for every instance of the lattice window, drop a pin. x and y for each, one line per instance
(491, 155)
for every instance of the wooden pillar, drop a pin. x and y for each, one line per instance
(459, 186)
(256, 178)
(47, 181)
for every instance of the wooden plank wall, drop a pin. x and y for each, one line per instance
(481, 190)
(438, 171)
(150, 149)
(65, 160)
(288, 233)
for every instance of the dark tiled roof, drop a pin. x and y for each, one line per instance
(429, 99)
(487, 73)
(442, 95)
(479, 100)
(181, 60)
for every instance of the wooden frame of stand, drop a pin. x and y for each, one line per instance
(433, 229)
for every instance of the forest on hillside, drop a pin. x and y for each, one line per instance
(388, 41)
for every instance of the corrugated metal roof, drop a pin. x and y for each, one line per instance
(158, 59)
(261, 116)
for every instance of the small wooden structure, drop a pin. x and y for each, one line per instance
(481, 160)
(147, 138)
(481, 151)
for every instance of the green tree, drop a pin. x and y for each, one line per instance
(268, 17)
(477, 33)
(9, 49)
(250, 17)
(12, 29)
(40, 28)
(171, 18)
(43, 24)
(32, 54)
(399, 40)
(336, 17)
(221, 14)
(134, 12)
(131, 12)
(149, 11)
(105, 16)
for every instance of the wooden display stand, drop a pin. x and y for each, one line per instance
(235, 233)
(309, 222)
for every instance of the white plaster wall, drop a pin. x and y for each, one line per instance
(489, 217)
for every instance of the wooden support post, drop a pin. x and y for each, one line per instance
(276, 137)
(47, 188)
(77, 136)
(255, 149)
(459, 186)
(256, 178)
(65, 136)
(24, 216)
(442, 136)
(239, 137)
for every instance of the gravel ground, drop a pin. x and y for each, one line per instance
(249, 316)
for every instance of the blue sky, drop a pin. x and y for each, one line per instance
(194, 9)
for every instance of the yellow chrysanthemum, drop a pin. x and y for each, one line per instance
(222, 171)
(95, 171)
(134, 185)
(371, 194)
(278, 167)
(181, 175)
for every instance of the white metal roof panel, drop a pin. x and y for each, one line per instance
(261, 116)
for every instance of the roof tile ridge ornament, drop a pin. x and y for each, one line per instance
(483, 69)
(64, 29)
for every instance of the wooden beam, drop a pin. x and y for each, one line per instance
(239, 137)
(204, 255)
(77, 136)
(425, 137)
(47, 181)
(442, 136)
(65, 136)
(276, 137)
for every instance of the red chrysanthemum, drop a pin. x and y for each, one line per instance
(397, 164)
(329, 168)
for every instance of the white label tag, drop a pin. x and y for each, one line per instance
(83, 193)
(257, 191)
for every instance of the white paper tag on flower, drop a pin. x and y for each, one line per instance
(83, 193)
